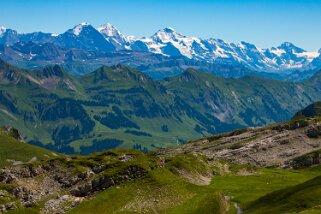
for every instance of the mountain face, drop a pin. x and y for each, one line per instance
(31, 55)
(8, 36)
(37, 37)
(316, 62)
(115, 106)
(115, 37)
(286, 56)
(281, 62)
(84, 37)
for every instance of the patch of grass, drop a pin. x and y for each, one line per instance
(246, 189)
(195, 164)
(24, 211)
(159, 190)
(234, 168)
(12, 149)
(164, 191)
(203, 203)
(291, 199)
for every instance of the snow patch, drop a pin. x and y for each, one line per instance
(108, 30)
(2, 30)
(78, 28)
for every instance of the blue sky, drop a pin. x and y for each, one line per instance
(262, 22)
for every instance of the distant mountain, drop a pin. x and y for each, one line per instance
(8, 36)
(37, 37)
(284, 59)
(84, 37)
(316, 62)
(35, 56)
(115, 37)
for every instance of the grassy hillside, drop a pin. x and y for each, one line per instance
(164, 192)
(191, 178)
(119, 107)
(161, 192)
(13, 151)
(300, 198)
(313, 110)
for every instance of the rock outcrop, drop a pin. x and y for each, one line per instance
(67, 180)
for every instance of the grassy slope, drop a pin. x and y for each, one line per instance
(203, 97)
(24, 211)
(11, 149)
(304, 197)
(163, 191)
(312, 110)
(126, 80)
(160, 191)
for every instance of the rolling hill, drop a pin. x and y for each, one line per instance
(120, 107)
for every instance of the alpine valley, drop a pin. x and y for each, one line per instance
(120, 107)
(93, 121)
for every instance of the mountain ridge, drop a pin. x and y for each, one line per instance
(115, 106)
(168, 42)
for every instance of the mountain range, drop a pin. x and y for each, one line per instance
(93, 121)
(121, 107)
(166, 53)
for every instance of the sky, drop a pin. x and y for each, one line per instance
(265, 23)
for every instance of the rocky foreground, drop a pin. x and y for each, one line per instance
(64, 182)
(61, 183)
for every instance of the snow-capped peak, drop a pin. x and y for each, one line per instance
(78, 28)
(167, 34)
(169, 30)
(290, 48)
(109, 30)
(2, 30)
(246, 45)
(114, 36)
(84, 23)
(169, 42)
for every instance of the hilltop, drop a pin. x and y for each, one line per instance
(313, 110)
